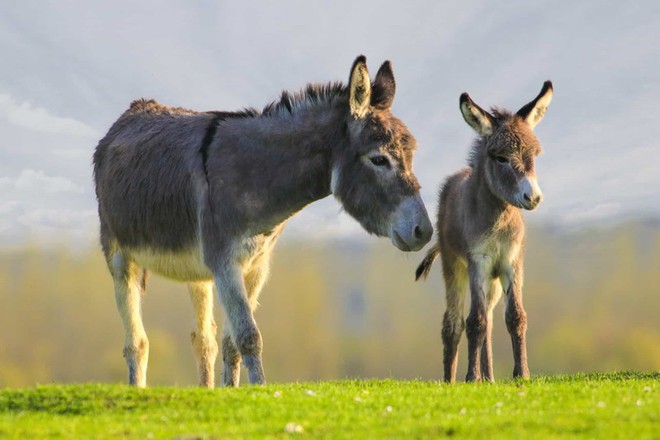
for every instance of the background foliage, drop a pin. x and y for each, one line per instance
(338, 310)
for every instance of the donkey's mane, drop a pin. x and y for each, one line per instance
(475, 152)
(500, 114)
(311, 95)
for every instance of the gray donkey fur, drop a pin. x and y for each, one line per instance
(202, 197)
(481, 234)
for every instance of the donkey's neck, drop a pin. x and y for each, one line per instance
(305, 142)
(281, 162)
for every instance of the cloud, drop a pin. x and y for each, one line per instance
(56, 218)
(55, 225)
(21, 220)
(33, 179)
(8, 207)
(598, 212)
(72, 153)
(39, 119)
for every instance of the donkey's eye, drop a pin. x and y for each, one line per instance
(380, 161)
(502, 159)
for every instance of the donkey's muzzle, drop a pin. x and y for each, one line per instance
(531, 200)
(411, 227)
(530, 194)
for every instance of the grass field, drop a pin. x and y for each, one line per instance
(616, 405)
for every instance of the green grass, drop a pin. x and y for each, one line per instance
(616, 405)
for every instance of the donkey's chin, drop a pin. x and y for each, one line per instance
(399, 242)
(529, 206)
(411, 245)
(526, 206)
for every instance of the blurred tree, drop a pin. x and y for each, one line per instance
(335, 310)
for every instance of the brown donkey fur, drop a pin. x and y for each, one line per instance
(202, 197)
(481, 233)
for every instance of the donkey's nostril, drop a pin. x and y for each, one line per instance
(527, 197)
(418, 232)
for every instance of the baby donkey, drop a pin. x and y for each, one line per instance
(481, 233)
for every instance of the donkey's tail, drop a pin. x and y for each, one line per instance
(425, 266)
(143, 281)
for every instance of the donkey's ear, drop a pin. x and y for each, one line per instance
(384, 87)
(359, 87)
(476, 117)
(533, 112)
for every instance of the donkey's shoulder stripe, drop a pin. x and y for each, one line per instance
(209, 135)
(219, 116)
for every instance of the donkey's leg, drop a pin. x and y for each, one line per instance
(493, 295)
(453, 323)
(477, 320)
(203, 337)
(253, 280)
(516, 318)
(243, 329)
(487, 350)
(127, 277)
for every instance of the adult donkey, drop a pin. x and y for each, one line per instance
(481, 233)
(202, 197)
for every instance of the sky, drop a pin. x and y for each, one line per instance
(70, 68)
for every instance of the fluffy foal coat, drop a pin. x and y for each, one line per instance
(481, 233)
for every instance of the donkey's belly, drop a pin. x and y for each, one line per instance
(185, 265)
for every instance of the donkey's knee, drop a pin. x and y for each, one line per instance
(248, 341)
(516, 321)
(231, 362)
(137, 349)
(230, 354)
(205, 345)
(452, 328)
(476, 323)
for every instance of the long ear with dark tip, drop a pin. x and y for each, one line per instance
(359, 86)
(533, 112)
(384, 87)
(476, 117)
